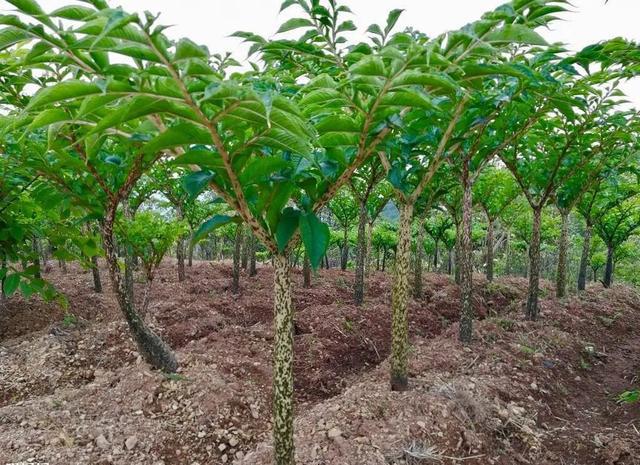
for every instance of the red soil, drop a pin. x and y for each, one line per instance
(522, 393)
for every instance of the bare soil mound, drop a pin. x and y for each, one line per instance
(74, 391)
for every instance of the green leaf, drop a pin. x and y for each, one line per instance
(392, 19)
(11, 36)
(337, 123)
(194, 183)
(430, 80)
(180, 134)
(47, 117)
(407, 99)
(212, 224)
(369, 66)
(347, 26)
(294, 23)
(29, 7)
(286, 4)
(259, 168)
(64, 91)
(324, 98)
(284, 140)
(544, 11)
(187, 49)
(287, 226)
(375, 29)
(315, 236)
(515, 33)
(201, 157)
(139, 106)
(488, 69)
(116, 20)
(11, 283)
(73, 12)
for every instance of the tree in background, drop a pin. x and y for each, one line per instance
(150, 236)
(363, 185)
(346, 211)
(494, 191)
(616, 220)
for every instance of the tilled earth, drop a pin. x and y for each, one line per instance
(74, 391)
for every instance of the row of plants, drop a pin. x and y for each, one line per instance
(102, 110)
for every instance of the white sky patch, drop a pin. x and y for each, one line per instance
(211, 22)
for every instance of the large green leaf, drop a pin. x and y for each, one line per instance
(324, 97)
(516, 33)
(294, 23)
(202, 157)
(287, 225)
(194, 183)
(338, 139)
(431, 80)
(392, 19)
(11, 283)
(212, 224)
(11, 36)
(73, 12)
(407, 99)
(283, 140)
(315, 236)
(64, 91)
(259, 168)
(140, 106)
(187, 49)
(488, 69)
(369, 66)
(47, 117)
(337, 123)
(180, 134)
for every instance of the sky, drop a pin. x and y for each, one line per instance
(211, 22)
